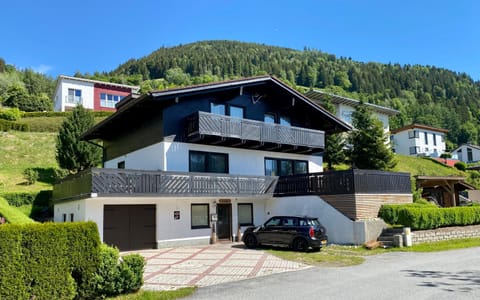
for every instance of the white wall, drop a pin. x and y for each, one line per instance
(344, 112)
(173, 156)
(402, 142)
(169, 231)
(61, 94)
(340, 229)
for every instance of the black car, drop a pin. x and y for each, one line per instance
(299, 233)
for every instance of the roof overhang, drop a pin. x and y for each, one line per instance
(336, 99)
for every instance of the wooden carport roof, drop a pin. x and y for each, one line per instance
(451, 184)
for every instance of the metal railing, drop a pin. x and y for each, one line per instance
(203, 123)
(117, 182)
(344, 182)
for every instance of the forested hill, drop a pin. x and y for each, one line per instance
(424, 94)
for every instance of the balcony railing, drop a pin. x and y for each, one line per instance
(120, 182)
(203, 124)
(74, 99)
(344, 182)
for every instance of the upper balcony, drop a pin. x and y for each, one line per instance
(120, 182)
(214, 129)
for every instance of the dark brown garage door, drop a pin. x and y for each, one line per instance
(129, 227)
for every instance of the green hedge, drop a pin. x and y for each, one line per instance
(42, 205)
(62, 114)
(10, 125)
(48, 261)
(423, 217)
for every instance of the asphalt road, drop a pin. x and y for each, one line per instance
(441, 275)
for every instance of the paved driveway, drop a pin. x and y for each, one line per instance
(172, 268)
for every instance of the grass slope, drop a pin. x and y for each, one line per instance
(424, 166)
(22, 150)
(12, 214)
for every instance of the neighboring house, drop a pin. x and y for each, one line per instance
(416, 139)
(185, 165)
(344, 107)
(467, 153)
(91, 94)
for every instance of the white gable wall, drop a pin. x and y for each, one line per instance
(344, 112)
(174, 156)
(462, 153)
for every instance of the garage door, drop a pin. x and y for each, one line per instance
(129, 227)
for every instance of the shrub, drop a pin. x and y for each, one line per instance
(30, 175)
(460, 165)
(446, 155)
(12, 114)
(422, 217)
(116, 276)
(48, 261)
(10, 125)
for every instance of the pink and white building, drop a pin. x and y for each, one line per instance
(91, 94)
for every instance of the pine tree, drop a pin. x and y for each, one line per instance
(369, 143)
(334, 143)
(72, 153)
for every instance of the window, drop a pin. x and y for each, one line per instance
(434, 139)
(64, 217)
(208, 162)
(200, 213)
(245, 214)
(218, 109)
(426, 138)
(72, 217)
(237, 111)
(442, 137)
(269, 118)
(285, 167)
(121, 165)
(413, 134)
(414, 150)
(285, 121)
(276, 221)
(109, 100)
(469, 155)
(74, 96)
(426, 149)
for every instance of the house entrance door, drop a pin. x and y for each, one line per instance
(224, 221)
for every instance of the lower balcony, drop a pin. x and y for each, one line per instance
(121, 182)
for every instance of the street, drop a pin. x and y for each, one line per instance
(439, 275)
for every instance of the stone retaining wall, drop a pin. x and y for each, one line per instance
(447, 233)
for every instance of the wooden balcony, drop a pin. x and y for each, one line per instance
(120, 182)
(344, 182)
(213, 129)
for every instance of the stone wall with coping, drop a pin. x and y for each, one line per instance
(446, 233)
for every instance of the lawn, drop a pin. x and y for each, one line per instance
(158, 295)
(342, 256)
(22, 150)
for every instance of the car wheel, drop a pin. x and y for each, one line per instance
(250, 241)
(300, 244)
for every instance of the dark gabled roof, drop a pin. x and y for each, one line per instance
(420, 126)
(172, 95)
(336, 99)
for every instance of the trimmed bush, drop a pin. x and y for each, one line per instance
(10, 114)
(62, 114)
(460, 165)
(423, 217)
(30, 175)
(48, 261)
(10, 125)
(117, 275)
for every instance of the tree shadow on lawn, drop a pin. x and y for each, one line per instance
(46, 175)
(463, 281)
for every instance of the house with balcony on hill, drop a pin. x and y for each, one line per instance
(182, 165)
(418, 139)
(91, 94)
(344, 107)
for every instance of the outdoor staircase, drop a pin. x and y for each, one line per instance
(386, 238)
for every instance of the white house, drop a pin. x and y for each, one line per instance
(182, 165)
(467, 153)
(344, 107)
(91, 94)
(416, 139)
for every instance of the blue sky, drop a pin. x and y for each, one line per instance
(62, 37)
